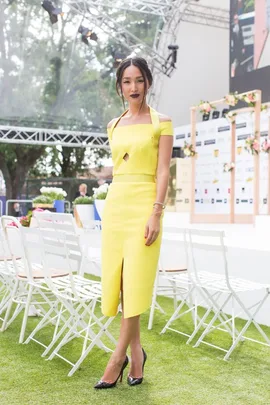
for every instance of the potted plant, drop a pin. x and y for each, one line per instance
(43, 201)
(58, 196)
(83, 210)
(99, 197)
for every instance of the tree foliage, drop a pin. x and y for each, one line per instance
(50, 79)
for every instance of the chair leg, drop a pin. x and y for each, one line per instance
(25, 316)
(153, 305)
(4, 326)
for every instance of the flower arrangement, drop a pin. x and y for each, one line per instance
(55, 193)
(25, 220)
(252, 145)
(43, 199)
(250, 99)
(228, 167)
(189, 150)
(206, 107)
(232, 99)
(264, 107)
(83, 201)
(101, 192)
(266, 146)
(231, 116)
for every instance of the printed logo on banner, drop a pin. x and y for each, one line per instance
(201, 200)
(251, 201)
(242, 137)
(187, 201)
(237, 200)
(212, 201)
(180, 136)
(241, 125)
(198, 144)
(244, 201)
(265, 201)
(225, 200)
(197, 201)
(264, 133)
(219, 201)
(223, 129)
(210, 142)
(239, 150)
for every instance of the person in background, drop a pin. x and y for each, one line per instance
(238, 47)
(82, 191)
(17, 210)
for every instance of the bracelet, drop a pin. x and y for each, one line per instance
(159, 203)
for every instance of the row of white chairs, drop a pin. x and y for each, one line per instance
(69, 300)
(47, 274)
(199, 291)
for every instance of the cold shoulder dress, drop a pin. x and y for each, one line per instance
(128, 206)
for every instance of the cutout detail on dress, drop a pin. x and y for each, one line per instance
(126, 157)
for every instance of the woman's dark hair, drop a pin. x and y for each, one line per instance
(142, 65)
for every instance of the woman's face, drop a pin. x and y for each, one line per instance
(133, 84)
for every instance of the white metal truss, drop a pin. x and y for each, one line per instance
(211, 16)
(158, 7)
(99, 13)
(53, 137)
(172, 12)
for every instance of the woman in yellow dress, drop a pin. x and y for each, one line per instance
(141, 143)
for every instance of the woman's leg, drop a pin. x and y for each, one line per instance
(128, 332)
(129, 335)
(136, 354)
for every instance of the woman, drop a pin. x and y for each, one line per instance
(141, 142)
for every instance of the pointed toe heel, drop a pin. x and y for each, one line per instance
(105, 385)
(132, 381)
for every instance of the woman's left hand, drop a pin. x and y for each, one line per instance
(152, 229)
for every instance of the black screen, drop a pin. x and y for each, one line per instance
(250, 46)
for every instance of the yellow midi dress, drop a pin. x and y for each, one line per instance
(128, 207)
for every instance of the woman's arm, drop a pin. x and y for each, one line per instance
(163, 171)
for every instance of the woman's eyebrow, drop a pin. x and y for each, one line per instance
(139, 77)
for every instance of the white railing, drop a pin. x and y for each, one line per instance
(67, 204)
(14, 201)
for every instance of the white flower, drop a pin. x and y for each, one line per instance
(187, 152)
(103, 189)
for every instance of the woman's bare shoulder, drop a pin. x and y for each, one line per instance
(112, 122)
(163, 118)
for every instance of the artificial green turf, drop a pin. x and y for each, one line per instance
(175, 373)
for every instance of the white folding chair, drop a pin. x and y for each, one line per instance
(81, 255)
(79, 298)
(223, 290)
(63, 223)
(29, 286)
(189, 291)
(165, 283)
(7, 274)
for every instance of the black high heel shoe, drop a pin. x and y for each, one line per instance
(103, 384)
(136, 381)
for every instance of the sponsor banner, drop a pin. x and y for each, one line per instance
(212, 185)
